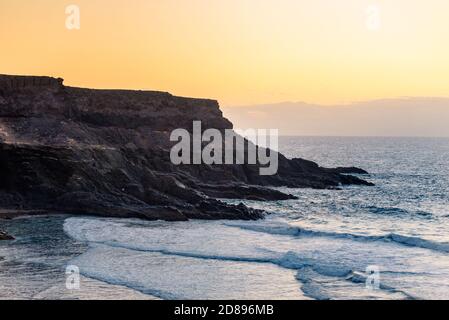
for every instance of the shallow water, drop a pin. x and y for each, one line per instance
(317, 247)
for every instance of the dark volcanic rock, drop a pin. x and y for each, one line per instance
(107, 153)
(5, 236)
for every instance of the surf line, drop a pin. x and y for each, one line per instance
(191, 311)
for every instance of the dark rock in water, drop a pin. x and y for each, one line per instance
(107, 153)
(351, 170)
(5, 236)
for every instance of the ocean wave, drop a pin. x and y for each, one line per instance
(397, 211)
(78, 229)
(175, 275)
(360, 278)
(319, 285)
(334, 261)
(289, 260)
(287, 230)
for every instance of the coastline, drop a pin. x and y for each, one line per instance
(8, 214)
(317, 245)
(49, 288)
(107, 153)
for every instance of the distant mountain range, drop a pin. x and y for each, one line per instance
(426, 117)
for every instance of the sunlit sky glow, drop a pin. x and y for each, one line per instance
(237, 51)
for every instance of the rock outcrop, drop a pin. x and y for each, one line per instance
(107, 153)
(5, 236)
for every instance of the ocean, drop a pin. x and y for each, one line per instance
(321, 246)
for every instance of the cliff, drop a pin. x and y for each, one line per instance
(107, 153)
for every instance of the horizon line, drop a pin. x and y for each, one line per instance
(361, 136)
(339, 104)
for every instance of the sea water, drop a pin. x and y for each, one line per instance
(319, 246)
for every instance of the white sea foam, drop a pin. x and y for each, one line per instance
(222, 247)
(286, 229)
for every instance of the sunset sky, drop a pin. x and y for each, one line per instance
(240, 52)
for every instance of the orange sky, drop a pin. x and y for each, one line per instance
(237, 51)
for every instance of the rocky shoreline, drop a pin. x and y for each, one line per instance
(107, 153)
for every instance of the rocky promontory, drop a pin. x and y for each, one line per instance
(107, 153)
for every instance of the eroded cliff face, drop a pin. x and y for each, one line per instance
(107, 153)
